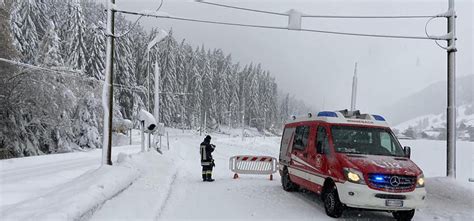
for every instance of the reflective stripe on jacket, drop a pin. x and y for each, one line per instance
(206, 150)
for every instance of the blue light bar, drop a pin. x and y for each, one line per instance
(327, 114)
(378, 118)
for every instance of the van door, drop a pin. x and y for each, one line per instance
(322, 153)
(300, 143)
(286, 145)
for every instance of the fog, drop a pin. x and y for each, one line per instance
(318, 68)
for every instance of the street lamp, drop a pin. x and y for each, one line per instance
(159, 37)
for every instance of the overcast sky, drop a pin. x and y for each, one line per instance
(318, 68)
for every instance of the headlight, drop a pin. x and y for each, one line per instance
(420, 181)
(354, 176)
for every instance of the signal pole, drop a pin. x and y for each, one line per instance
(107, 96)
(451, 110)
(354, 89)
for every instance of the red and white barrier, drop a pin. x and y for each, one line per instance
(246, 164)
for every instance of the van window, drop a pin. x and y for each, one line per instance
(365, 140)
(322, 142)
(285, 142)
(301, 137)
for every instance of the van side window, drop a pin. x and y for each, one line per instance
(322, 141)
(301, 137)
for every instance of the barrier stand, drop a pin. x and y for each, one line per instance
(247, 164)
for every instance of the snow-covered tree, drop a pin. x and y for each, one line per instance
(96, 61)
(28, 24)
(76, 39)
(49, 49)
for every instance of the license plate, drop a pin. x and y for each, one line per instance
(394, 203)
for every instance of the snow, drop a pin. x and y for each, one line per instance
(29, 177)
(169, 186)
(434, 124)
(430, 156)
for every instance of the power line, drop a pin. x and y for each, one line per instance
(277, 27)
(244, 9)
(136, 22)
(321, 16)
(62, 72)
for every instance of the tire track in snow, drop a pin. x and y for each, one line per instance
(168, 195)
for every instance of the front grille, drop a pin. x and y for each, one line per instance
(391, 182)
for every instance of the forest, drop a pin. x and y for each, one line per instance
(50, 88)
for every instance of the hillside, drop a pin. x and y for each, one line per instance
(415, 105)
(433, 126)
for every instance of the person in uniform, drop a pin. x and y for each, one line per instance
(207, 162)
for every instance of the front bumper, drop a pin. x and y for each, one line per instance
(361, 196)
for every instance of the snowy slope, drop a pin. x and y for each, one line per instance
(433, 125)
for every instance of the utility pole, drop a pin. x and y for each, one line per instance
(264, 122)
(107, 99)
(205, 122)
(354, 89)
(243, 118)
(157, 93)
(451, 110)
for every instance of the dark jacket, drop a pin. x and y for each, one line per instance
(206, 150)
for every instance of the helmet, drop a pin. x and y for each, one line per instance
(208, 138)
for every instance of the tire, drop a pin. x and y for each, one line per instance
(286, 182)
(403, 215)
(332, 204)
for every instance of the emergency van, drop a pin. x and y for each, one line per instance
(351, 160)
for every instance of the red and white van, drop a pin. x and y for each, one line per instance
(351, 160)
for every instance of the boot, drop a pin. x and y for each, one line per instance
(209, 177)
(204, 177)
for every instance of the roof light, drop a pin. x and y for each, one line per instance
(378, 118)
(327, 114)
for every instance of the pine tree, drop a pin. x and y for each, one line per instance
(77, 50)
(96, 61)
(49, 50)
(28, 24)
(168, 50)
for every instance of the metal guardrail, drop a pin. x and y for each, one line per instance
(247, 164)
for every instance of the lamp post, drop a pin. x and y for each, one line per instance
(159, 37)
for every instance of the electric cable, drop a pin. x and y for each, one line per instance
(427, 35)
(318, 16)
(136, 22)
(64, 74)
(276, 27)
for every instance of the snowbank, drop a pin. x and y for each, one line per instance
(146, 196)
(448, 199)
(80, 196)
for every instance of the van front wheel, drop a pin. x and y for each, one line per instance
(332, 204)
(286, 182)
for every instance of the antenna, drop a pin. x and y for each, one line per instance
(354, 89)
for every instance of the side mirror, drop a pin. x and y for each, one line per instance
(407, 151)
(319, 147)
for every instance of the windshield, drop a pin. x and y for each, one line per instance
(364, 140)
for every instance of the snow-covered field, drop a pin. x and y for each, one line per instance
(150, 186)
